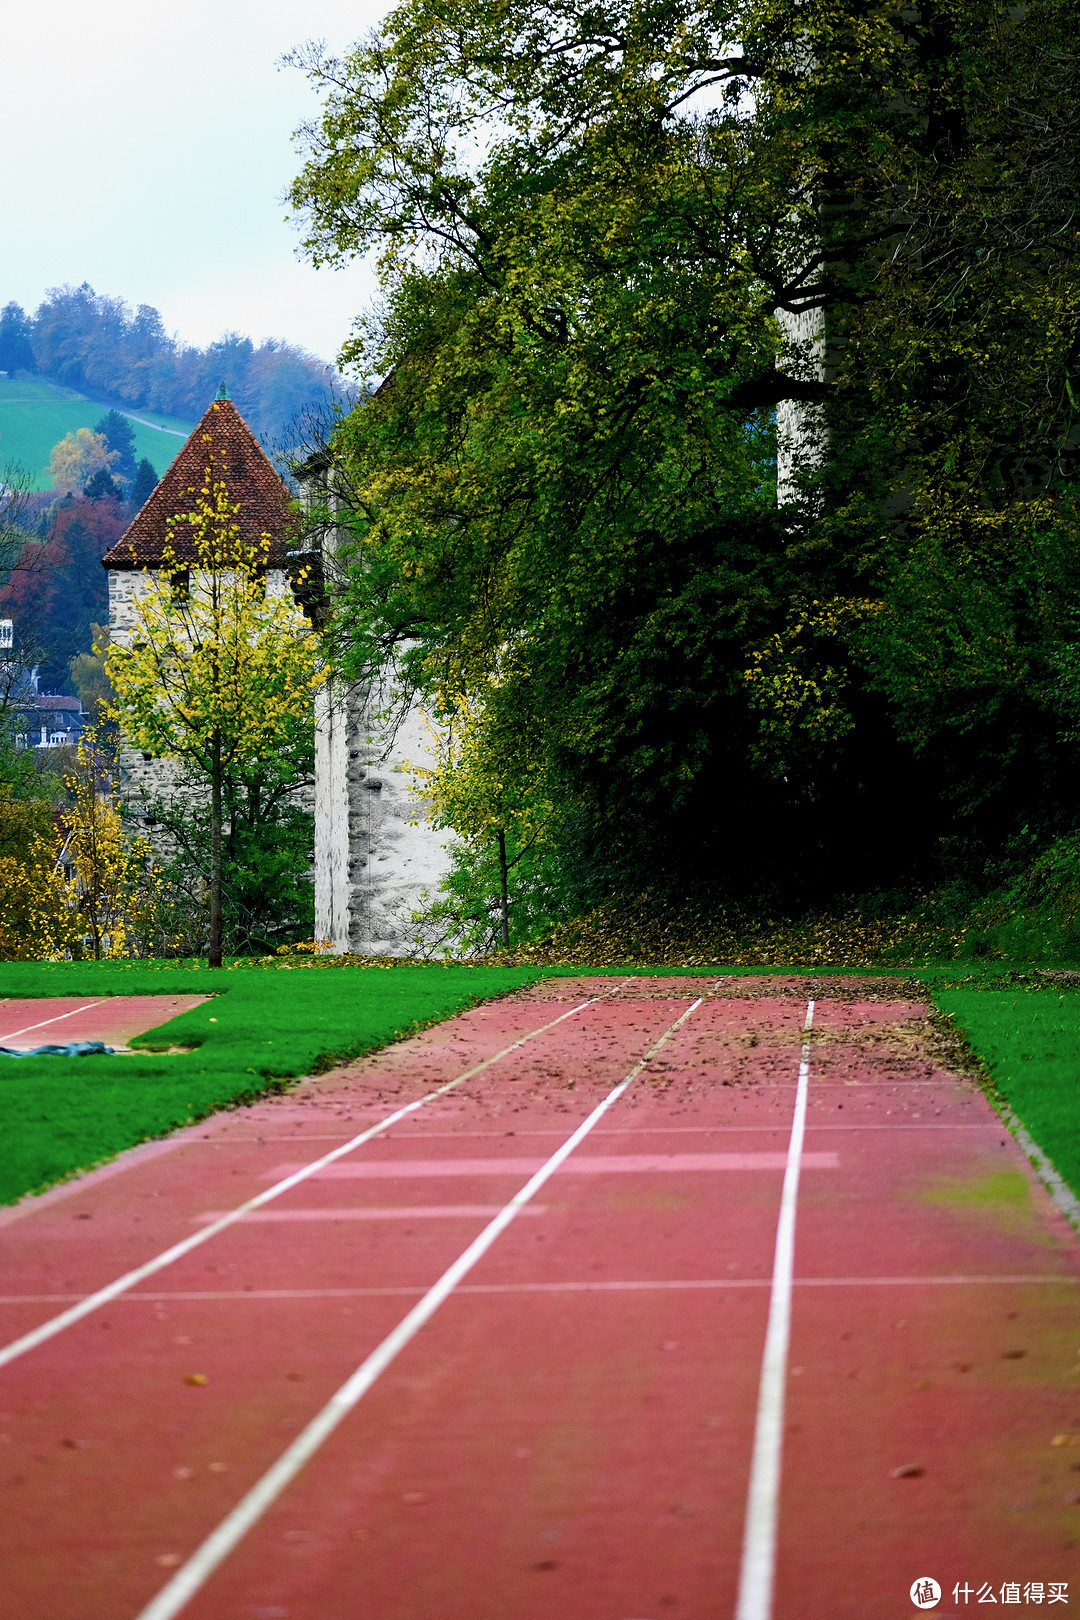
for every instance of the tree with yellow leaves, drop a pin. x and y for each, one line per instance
(216, 673)
(109, 874)
(77, 457)
(35, 921)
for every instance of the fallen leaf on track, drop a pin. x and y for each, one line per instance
(908, 1471)
(196, 1378)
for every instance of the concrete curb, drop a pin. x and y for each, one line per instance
(1065, 1200)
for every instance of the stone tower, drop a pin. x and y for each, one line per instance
(376, 856)
(223, 441)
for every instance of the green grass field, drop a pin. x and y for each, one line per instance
(34, 415)
(62, 1114)
(1029, 1037)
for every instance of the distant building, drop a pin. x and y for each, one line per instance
(43, 720)
(38, 719)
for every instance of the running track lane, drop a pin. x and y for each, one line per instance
(588, 1393)
(223, 1219)
(62, 1379)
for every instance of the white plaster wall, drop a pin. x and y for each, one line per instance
(126, 587)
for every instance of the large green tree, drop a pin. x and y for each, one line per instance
(119, 435)
(597, 229)
(16, 352)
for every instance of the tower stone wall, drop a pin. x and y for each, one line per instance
(142, 777)
(378, 859)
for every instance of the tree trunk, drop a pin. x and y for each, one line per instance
(215, 854)
(504, 895)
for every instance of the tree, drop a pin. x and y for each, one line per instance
(484, 787)
(77, 457)
(565, 490)
(217, 671)
(102, 487)
(595, 245)
(16, 351)
(119, 436)
(94, 342)
(20, 777)
(111, 884)
(146, 481)
(21, 568)
(88, 675)
(268, 898)
(35, 922)
(57, 588)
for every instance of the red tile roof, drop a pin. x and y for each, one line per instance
(224, 441)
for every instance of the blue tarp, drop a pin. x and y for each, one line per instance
(72, 1049)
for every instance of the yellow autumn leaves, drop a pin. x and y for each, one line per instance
(214, 658)
(74, 882)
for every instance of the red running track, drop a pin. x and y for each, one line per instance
(55, 1020)
(570, 1436)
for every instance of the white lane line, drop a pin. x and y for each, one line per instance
(219, 1544)
(713, 1284)
(93, 1302)
(28, 1027)
(758, 1569)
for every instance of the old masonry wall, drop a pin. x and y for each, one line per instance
(378, 860)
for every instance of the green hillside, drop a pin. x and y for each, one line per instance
(34, 414)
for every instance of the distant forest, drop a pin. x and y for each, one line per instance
(51, 542)
(101, 347)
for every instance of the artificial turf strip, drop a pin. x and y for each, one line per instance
(264, 1026)
(1030, 1038)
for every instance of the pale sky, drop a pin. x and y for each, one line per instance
(146, 150)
